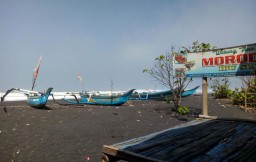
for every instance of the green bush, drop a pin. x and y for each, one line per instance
(183, 110)
(222, 92)
(238, 97)
(221, 89)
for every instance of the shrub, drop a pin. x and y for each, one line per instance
(222, 92)
(183, 110)
(238, 97)
(221, 88)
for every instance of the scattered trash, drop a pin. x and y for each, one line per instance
(86, 157)
(27, 124)
(18, 151)
(173, 114)
(138, 120)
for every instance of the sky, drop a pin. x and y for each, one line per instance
(110, 42)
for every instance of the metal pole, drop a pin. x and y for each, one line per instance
(205, 97)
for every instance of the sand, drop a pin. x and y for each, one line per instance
(77, 133)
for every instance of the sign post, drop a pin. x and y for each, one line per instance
(224, 62)
(205, 96)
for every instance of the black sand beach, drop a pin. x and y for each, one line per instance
(77, 133)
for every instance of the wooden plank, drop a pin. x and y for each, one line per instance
(232, 145)
(200, 140)
(168, 137)
(126, 155)
(120, 147)
(179, 141)
(135, 141)
(248, 152)
(221, 149)
(200, 145)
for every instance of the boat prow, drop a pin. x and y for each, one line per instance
(39, 101)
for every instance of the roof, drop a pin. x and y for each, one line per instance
(198, 140)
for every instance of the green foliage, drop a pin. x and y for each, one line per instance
(222, 92)
(198, 47)
(221, 89)
(238, 97)
(145, 70)
(183, 110)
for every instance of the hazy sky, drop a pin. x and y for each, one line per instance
(106, 40)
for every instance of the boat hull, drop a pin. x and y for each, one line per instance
(112, 100)
(39, 101)
(161, 95)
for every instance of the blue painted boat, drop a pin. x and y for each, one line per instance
(34, 99)
(162, 95)
(93, 99)
(189, 92)
(39, 101)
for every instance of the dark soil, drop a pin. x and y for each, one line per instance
(77, 133)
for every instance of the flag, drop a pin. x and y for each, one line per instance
(81, 81)
(79, 78)
(36, 70)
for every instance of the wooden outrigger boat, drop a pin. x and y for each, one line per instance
(39, 101)
(162, 95)
(34, 98)
(96, 99)
(189, 92)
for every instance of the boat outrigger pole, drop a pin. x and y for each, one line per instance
(36, 70)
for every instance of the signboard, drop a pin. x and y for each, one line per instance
(232, 61)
